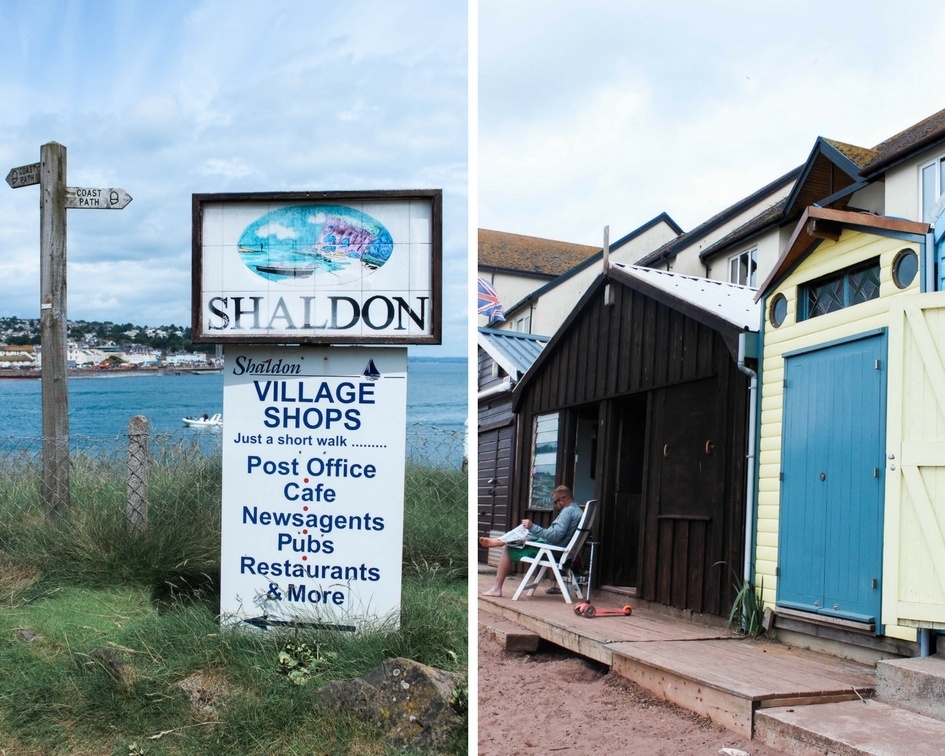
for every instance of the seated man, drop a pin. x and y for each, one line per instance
(557, 534)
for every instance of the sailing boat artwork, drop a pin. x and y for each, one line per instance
(371, 372)
(338, 244)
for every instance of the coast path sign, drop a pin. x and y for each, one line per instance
(55, 197)
(88, 198)
(24, 175)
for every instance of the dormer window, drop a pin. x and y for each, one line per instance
(741, 268)
(932, 179)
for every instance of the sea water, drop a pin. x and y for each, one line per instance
(102, 405)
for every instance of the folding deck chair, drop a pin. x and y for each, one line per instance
(557, 558)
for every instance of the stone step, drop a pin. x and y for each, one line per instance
(849, 728)
(507, 634)
(917, 684)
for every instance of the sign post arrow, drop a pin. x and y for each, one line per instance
(88, 198)
(24, 175)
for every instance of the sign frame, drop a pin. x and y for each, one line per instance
(210, 326)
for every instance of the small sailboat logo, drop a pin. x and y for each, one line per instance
(371, 372)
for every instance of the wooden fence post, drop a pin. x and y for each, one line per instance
(137, 477)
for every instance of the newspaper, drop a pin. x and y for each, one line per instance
(515, 537)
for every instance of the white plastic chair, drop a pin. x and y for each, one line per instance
(557, 558)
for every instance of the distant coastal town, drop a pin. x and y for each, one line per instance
(104, 346)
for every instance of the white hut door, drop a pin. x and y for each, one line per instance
(914, 554)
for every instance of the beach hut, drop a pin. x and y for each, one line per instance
(640, 400)
(849, 319)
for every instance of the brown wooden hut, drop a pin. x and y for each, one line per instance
(639, 401)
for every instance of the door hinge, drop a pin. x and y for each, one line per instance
(784, 383)
(781, 476)
(777, 572)
(878, 365)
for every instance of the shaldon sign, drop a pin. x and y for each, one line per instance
(318, 267)
(313, 486)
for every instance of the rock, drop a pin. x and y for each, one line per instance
(205, 693)
(27, 635)
(111, 660)
(408, 700)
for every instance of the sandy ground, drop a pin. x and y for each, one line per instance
(555, 702)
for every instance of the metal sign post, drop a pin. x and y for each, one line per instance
(55, 197)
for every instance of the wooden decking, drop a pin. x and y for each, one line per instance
(693, 662)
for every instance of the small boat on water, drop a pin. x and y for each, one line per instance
(290, 271)
(205, 421)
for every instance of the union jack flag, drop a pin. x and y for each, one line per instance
(489, 302)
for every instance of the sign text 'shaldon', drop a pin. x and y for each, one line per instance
(342, 313)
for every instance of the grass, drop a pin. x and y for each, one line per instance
(75, 593)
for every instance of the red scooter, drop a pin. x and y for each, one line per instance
(590, 611)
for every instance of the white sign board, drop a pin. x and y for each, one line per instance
(313, 486)
(331, 268)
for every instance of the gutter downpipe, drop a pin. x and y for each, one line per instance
(928, 283)
(750, 458)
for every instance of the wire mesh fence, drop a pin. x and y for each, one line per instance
(174, 478)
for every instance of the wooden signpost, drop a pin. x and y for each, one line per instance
(55, 197)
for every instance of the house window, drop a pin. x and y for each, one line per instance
(741, 268)
(544, 461)
(932, 177)
(859, 283)
(523, 323)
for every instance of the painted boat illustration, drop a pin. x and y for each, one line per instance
(289, 271)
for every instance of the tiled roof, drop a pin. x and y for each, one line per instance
(924, 134)
(529, 254)
(759, 223)
(860, 156)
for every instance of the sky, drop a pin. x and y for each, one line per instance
(610, 112)
(167, 99)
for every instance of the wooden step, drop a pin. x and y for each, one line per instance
(729, 680)
(507, 634)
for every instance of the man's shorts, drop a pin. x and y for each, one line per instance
(516, 553)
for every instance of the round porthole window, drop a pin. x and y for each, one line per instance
(778, 310)
(905, 267)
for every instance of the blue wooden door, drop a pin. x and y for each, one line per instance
(830, 543)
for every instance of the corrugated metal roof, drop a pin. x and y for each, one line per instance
(734, 304)
(514, 351)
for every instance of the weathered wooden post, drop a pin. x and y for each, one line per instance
(55, 197)
(137, 475)
(52, 275)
